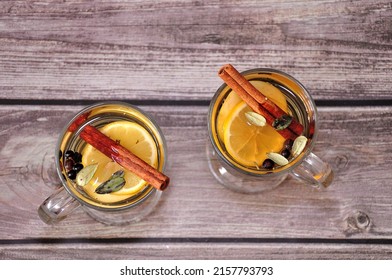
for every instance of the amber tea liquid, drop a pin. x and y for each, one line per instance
(245, 146)
(128, 126)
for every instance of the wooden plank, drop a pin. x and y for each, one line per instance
(356, 141)
(172, 50)
(286, 251)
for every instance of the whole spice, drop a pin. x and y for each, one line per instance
(299, 145)
(77, 167)
(282, 122)
(69, 154)
(115, 183)
(258, 101)
(278, 159)
(68, 164)
(285, 153)
(255, 119)
(124, 157)
(288, 144)
(71, 174)
(86, 174)
(268, 164)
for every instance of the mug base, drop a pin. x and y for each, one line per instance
(129, 215)
(237, 181)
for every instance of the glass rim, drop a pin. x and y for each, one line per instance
(63, 132)
(261, 173)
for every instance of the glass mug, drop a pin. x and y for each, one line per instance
(126, 205)
(252, 179)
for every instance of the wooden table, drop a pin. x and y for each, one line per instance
(56, 57)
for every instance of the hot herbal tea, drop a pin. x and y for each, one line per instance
(259, 123)
(109, 158)
(112, 157)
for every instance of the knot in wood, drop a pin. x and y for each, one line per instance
(362, 220)
(357, 222)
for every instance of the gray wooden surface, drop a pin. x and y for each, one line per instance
(56, 57)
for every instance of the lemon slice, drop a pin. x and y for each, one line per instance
(249, 144)
(232, 100)
(137, 140)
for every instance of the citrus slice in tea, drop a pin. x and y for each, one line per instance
(131, 136)
(249, 144)
(232, 100)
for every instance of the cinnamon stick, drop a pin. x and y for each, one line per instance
(78, 121)
(123, 156)
(258, 101)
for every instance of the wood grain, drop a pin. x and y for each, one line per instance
(197, 251)
(355, 141)
(169, 51)
(172, 50)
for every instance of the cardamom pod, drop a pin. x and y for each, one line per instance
(278, 158)
(114, 184)
(86, 174)
(255, 118)
(282, 122)
(119, 173)
(299, 145)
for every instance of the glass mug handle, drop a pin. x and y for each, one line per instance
(57, 206)
(314, 171)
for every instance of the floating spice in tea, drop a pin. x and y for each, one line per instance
(86, 174)
(115, 183)
(278, 159)
(282, 122)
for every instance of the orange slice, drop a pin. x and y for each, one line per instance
(232, 100)
(133, 137)
(246, 143)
